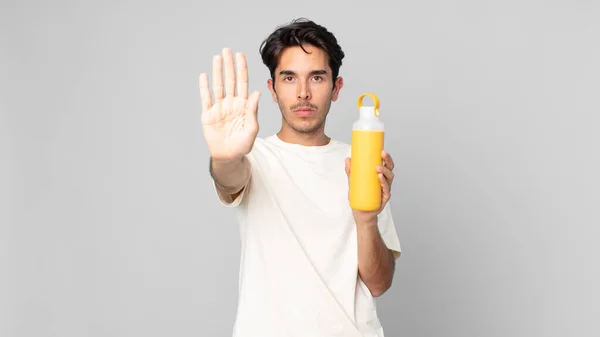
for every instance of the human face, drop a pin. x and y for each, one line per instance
(304, 89)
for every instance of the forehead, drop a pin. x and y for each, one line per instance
(295, 59)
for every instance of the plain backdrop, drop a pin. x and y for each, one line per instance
(110, 226)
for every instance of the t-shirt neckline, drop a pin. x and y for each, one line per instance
(315, 148)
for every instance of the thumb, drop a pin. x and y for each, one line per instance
(252, 105)
(347, 162)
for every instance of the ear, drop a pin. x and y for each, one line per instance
(339, 83)
(271, 87)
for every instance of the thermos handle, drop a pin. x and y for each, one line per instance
(375, 99)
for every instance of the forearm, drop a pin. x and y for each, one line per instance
(230, 176)
(375, 261)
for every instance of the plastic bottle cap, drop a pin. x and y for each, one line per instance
(367, 112)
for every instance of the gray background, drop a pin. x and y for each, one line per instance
(110, 226)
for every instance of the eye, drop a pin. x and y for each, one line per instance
(318, 78)
(288, 78)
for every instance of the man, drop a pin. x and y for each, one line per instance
(310, 265)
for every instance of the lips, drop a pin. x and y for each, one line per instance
(303, 112)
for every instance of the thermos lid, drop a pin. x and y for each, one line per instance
(368, 112)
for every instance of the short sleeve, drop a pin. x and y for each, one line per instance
(225, 198)
(387, 229)
(349, 152)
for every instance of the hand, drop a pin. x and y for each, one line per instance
(386, 177)
(230, 122)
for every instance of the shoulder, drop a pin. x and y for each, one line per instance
(340, 143)
(262, 146)
(264, 142)
(264, 152)
(342, 147)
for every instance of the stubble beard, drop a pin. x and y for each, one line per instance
(307, 127)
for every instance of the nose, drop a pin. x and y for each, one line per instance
(303, 91)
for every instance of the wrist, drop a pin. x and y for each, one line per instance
(368, 223)
(227, 161)
(231, 174)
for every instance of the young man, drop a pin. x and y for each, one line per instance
(310, 265)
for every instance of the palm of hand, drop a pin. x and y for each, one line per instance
(230, 123)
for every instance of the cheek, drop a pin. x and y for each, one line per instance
(321, 93)
(286, 93)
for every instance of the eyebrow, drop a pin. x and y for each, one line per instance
(313, 72)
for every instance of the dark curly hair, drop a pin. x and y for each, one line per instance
(297, 33)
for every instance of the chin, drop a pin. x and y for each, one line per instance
(306, 127)
(308, 124)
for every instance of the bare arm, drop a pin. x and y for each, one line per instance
(230, 176)
(376, 263)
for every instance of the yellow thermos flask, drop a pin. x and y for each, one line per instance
(367, 145)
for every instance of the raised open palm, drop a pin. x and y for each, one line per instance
(230, 122)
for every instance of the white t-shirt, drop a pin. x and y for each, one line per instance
(299, 263)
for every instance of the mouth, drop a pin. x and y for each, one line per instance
(304, 111)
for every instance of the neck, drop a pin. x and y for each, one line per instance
(317, 138)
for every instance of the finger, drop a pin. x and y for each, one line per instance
(387, 159)
(347, 164)
(205, 93)
(387, 173)
(217, 78)
(252, 108)
(385, 187)
(229, 72)
(242, 79)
